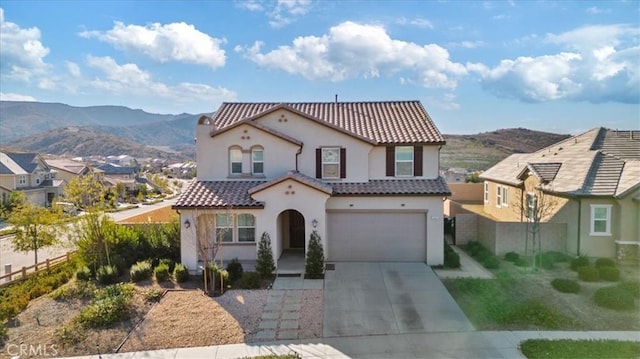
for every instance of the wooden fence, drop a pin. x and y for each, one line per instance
(38, 267)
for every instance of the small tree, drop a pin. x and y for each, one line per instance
(265, 264)
(314, 266)
(36, 226)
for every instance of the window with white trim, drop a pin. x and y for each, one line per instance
(600, 219)
(498, 196)
(257, 161)
(486, 192)
(22, 179)
(404, 161)
(246, 227)
(224, 227)
(330, 163)
(235, 161)
(505, 196)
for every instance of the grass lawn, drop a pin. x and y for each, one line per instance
(579, 349)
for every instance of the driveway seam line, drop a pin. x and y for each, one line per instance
(386, 288)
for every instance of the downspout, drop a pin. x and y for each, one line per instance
(579, 223)
(298, 154)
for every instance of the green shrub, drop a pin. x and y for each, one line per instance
(265, 264)
(605, 262)
(141, 271)
(314, 264)
(557, 257)
(579, 262)
(216, 275)
(161, 272)
(249, 280)
(491, 263)
(565, 285)
(107, 274)
(84, 273)
(546, 260)
(451, 259)
(631, 287)
(169, 262)
(235, 270)
(110, 305)
(511, 257)
(522, 262)
(610, 274)
(180, 273)
(153, 295)
(119, 263)
(615, 298)
(588, 274)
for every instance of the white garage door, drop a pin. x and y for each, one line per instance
(376, 236)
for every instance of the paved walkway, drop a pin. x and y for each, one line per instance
(490, 344)
(469, 268)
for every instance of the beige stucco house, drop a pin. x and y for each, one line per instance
(30, 174)
(363, 175)
(592, 183)
(68, 169)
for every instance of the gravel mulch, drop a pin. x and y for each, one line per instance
(190, 318)
(311, 314)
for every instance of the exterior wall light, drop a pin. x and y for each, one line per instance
(187, 224)
(314, 223)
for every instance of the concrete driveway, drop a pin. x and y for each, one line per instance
(388, 298)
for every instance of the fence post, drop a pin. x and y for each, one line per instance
(47, 263)
(24, 272)
(7, 270)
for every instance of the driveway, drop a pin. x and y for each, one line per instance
(388, 298)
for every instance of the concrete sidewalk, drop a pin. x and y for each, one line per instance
(488, 344)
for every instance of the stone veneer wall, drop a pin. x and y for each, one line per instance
(628, 250)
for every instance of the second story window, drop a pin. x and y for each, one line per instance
(330, 163)
(235, 161)
(404, 161)
(257, 161)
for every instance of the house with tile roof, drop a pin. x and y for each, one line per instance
(68, 169)
(30, 174)
(363, 175)
(592, 178)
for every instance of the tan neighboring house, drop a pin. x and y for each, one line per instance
(591, 183)
(30, 174)
(363, 175)
(68, 169)
(112, 175)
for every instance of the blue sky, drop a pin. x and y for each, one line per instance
(558, 66)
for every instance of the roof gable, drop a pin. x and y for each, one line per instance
(273, 132)
(388, 122)
(298, 177)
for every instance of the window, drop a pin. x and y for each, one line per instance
(257, 161)
(404, 161)
(600, 219)
(498, 195)
(486, 192)
(22, 180)
(246, 228)
(235, 159)
(505, 196)
(224, 227)
(330, 163)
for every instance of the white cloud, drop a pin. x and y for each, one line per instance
(15, 97)
(595, 64)
(445, 102)
(129, 79)
(594, 10)
(179, 42)
(467, 44)
(21, 51)
(353, 50)
(74, 69)
(418, 22)
(281, 12)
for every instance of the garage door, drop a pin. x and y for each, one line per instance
(376, 236)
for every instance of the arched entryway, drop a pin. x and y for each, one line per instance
(291, 230)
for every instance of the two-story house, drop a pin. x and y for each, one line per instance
(112, 175)
(363, 175)
(590, 182)
(68, 169)
(30, 174)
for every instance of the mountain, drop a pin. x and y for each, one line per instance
(483, 150)
(81, 141)
(20, 119)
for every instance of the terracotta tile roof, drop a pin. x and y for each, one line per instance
(599, 162)
(218, 194)
(393, 187)
(384, 122)
(296, 176)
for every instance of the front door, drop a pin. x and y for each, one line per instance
(296, 230)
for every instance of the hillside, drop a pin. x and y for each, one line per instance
(77, 141)
(20, 119)
(483, 150)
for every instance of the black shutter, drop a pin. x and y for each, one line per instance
(343, 163)
(318, 162)
(391, 161)
(417, 161)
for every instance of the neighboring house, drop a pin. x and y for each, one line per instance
(122, 160)
(30, 174)
(112, 175)
(593, 182)
(68, 169)
(182, 169)
(364, 175)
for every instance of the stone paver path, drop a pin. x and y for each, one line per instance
(280, 316)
